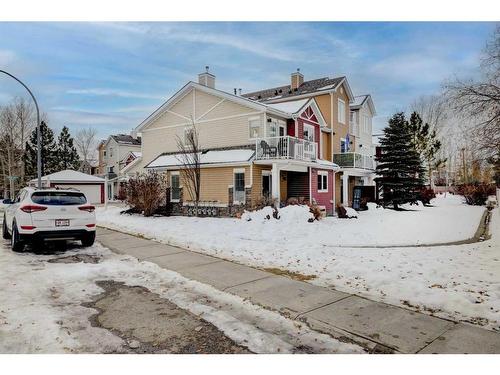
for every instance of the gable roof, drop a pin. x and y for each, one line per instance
(307, 88)
(69, 175)
(126, 139)
(296, 107)
(222, 94)
(361, 100)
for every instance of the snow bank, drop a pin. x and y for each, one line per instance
(41, 308)
(466, 273)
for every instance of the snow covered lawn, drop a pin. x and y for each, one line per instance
(460, 282)
(41, 306)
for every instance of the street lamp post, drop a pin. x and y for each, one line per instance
(38, 130)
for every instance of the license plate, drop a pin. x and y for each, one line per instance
(62, 222)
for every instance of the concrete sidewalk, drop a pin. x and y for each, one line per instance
(377, 326)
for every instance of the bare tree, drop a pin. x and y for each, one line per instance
(480, 100)
(85, 141)
(10, 150)
(432, 109)
(190, 156)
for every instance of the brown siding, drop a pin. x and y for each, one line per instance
(215, 182)
(283, 186)
(338, 196)
(257, 181)
(340, 130)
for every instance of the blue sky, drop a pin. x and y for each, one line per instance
(113, 75)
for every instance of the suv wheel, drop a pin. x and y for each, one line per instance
(88, 239)
(5, 233)
(16, 244)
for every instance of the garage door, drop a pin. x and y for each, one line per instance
(92, 192)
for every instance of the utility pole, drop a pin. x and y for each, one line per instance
(38, 131)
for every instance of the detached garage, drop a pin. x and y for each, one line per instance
(91, 186)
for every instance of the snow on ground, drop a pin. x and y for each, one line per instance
(460, 282)
(41, 311)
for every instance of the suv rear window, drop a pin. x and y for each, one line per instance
(58, 198)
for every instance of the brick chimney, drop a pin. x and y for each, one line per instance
(206, 78)
(297, 79)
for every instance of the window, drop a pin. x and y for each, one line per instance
(341, 110)
(175, 188)
(353, 117)
(111, 152)
(254, 128)
(343, 145)
(322, 181)
(58, 198)
(111, 169)
(239, 186)
(309, 133)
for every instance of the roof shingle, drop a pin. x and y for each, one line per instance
(306, 87)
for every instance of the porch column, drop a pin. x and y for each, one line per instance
(345, 189)
(275, 184)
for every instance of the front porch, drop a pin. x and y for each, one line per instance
(283, 181)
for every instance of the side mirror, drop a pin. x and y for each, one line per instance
(7, 201)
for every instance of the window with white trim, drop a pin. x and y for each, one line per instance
(254, 127)
(308, 132)
(322, 181)
(341, 111)
(239, 186)
(175, 187)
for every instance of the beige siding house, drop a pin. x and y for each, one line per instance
(347, 143)
(251, 151)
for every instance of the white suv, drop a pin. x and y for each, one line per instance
(38, 215)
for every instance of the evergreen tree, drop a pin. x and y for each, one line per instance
(399, 166)
(426, 143)
(67, 156)
(49, 152)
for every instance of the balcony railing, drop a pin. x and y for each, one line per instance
(354, 160)
(285, 147)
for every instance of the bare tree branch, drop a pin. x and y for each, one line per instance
(190, 157)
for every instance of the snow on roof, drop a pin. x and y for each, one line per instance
(209, 157)
(69, 175)
(137, 154)
(327, 163)
(289, 107)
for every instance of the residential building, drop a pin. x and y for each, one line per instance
(90, 166)
(346, 138)
(112, 158)
(250, 150)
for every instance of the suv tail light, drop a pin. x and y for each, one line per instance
(87, 208)
(29, 208)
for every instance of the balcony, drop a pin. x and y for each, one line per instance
(354, 160)
(285, 147)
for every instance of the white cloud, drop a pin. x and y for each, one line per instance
(113, 92)
(190, 34)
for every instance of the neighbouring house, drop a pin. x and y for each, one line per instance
(251, 151)
(346, 137)
(89, 166)
(91, 186)
(112, 155)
